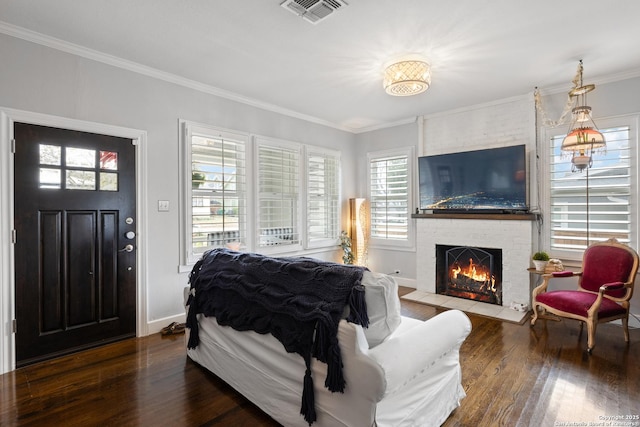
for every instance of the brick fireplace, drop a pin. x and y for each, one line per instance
(513, 237)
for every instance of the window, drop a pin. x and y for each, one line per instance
(323, 197)
(288, 201)
(79, 167)
(389, 197)
(607, 201)
(278, 182)
(215, 189)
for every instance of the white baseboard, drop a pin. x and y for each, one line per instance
(403, 281)
(156, 326)
(634, 321)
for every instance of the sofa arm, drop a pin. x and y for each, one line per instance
(406, 354)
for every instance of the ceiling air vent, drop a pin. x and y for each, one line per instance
(313, 11)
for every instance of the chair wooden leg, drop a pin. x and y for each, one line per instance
(535, 314)
(625, 327)
(591, 334)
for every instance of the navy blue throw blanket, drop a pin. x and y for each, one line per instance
(300, 301)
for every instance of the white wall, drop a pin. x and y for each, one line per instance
(39, 79)
(385, 260)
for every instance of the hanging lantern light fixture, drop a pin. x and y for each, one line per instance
(583, 137)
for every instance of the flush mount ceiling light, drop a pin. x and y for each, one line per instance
(583, 137)
(405, 78)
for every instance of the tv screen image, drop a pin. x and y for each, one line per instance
(493, 179)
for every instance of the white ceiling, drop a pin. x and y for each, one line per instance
(331, 72)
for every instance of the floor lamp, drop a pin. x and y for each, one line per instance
(583, 137)
(359, 230)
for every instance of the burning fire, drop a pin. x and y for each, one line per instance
(475, 272)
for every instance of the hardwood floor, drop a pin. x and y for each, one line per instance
(513, 376)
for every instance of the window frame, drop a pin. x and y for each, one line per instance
(409, 153)
(251, 192)
(188, 130)
(258, 142)
(310, 243)
(575, 256)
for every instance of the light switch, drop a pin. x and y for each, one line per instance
(163, 206)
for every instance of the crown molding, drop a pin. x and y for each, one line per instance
(84, 52)
(517, 98)
(94, 55)
(599, 80)
(400, 122)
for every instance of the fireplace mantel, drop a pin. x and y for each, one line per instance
(489, 216)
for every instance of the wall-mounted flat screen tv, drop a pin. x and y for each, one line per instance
(491, 180)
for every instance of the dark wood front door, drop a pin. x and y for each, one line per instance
(75, 225)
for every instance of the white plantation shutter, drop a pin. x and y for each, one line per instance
(609, 202)
(218, 214)
(389, 197)
(295, 193)
(278, 194)
(323, 187)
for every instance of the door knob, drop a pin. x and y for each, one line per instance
(127, 248)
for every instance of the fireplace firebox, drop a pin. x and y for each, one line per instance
(472, 273)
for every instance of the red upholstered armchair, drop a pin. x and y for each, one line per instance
(605, 287)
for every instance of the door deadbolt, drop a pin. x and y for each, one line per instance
(130, 235)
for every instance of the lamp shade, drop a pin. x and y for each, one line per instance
(583, 139)
(359, 230)
(407, 78)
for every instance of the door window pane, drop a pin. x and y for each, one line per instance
(49, 178)
(109, 160)
(80, 157)
(108, 181)
(80, 180)
(50, 155)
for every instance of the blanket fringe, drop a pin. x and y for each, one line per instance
(308, 409)
(320, 342)
(192, 324)
(358, 307)
(192, 302)
(335, 380)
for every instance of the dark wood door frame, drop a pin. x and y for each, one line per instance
(7, 270)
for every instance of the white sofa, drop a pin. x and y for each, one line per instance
(399, 371)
